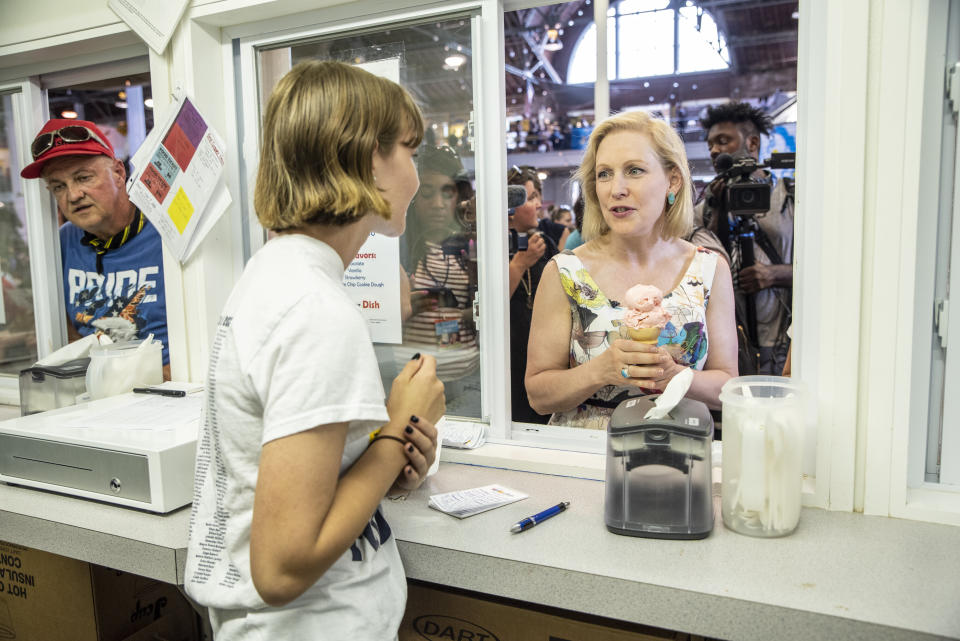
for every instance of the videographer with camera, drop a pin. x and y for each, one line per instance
(530, 251)
(753, 221)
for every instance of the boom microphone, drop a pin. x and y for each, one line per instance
(723, 163)
(516, 196)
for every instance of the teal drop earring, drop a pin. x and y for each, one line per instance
(671, 198)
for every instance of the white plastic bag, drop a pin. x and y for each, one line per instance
(118, 368)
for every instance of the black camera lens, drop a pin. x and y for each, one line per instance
(747, 198)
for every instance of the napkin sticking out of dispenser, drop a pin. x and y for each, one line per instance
(671, 396)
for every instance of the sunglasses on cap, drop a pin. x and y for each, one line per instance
(69, 134)
(526, 171)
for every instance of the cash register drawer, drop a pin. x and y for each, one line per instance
(119, 474)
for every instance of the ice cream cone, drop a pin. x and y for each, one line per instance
(648, 335)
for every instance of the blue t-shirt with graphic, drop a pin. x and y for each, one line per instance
(127, 301)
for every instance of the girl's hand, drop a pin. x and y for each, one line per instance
(416, 391)
(421, 450)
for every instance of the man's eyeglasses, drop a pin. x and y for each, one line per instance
(69, 134)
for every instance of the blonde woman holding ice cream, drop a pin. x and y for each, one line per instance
(635, 272)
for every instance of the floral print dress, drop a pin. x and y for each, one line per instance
(596, 322)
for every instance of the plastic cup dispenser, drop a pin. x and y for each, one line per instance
(763, 422)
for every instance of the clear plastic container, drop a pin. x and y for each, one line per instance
(118, 368)
(763, 418)
(49, 387)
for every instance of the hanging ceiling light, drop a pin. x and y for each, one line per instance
(454, 62)
(553, 41)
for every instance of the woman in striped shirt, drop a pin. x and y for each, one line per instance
(440, 261)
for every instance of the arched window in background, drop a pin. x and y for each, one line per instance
(643, 34)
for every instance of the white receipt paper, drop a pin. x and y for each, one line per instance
(464, 503)
(462, 435)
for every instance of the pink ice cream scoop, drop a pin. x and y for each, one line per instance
(644, 317)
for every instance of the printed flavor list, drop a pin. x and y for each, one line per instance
(372, 281)
(180, 169)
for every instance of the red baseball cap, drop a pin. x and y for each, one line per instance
(91, 142)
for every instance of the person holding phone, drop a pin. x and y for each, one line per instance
(297, 446)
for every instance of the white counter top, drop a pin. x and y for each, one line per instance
(126, 539)
(839, 576)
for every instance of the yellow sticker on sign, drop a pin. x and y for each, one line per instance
(181, 210)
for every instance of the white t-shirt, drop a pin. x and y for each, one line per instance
(291, 352)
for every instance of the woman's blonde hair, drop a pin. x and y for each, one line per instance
(667, 145)
(323, 123)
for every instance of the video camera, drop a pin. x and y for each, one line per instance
(742, 195)
(464, 243)
(516, 242)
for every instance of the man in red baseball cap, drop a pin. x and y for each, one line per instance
(112, 256)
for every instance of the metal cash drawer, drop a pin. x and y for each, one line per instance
(82, 467)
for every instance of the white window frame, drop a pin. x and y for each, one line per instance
(30, 111)
(893, 425)
(490, 158)
(43, 241)
(856, 230)
(950, 439)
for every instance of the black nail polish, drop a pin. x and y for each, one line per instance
(410, 448)
(408, 430)
(415, 356)
(414, 419)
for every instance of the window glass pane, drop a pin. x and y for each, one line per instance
(549, 122)
(18, 339)
(121, 107)
(646, 44)
(700, 45)
(634, 6)
(582, 66)
(583, 62)
(437, 271)
(640, 36)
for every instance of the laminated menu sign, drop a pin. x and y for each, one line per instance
(372, 281)
(178, 179)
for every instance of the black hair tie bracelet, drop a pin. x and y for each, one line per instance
(379, 437)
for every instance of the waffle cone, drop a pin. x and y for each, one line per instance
(647, 335)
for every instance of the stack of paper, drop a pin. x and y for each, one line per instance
(462, 434)
(464, 503)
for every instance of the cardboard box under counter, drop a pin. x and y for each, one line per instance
(436, 614)
(46, 597)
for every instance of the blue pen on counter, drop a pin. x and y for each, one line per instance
(159, 391)
(530, 521)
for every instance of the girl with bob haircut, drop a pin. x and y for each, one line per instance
(637, 192)
(298, 446)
